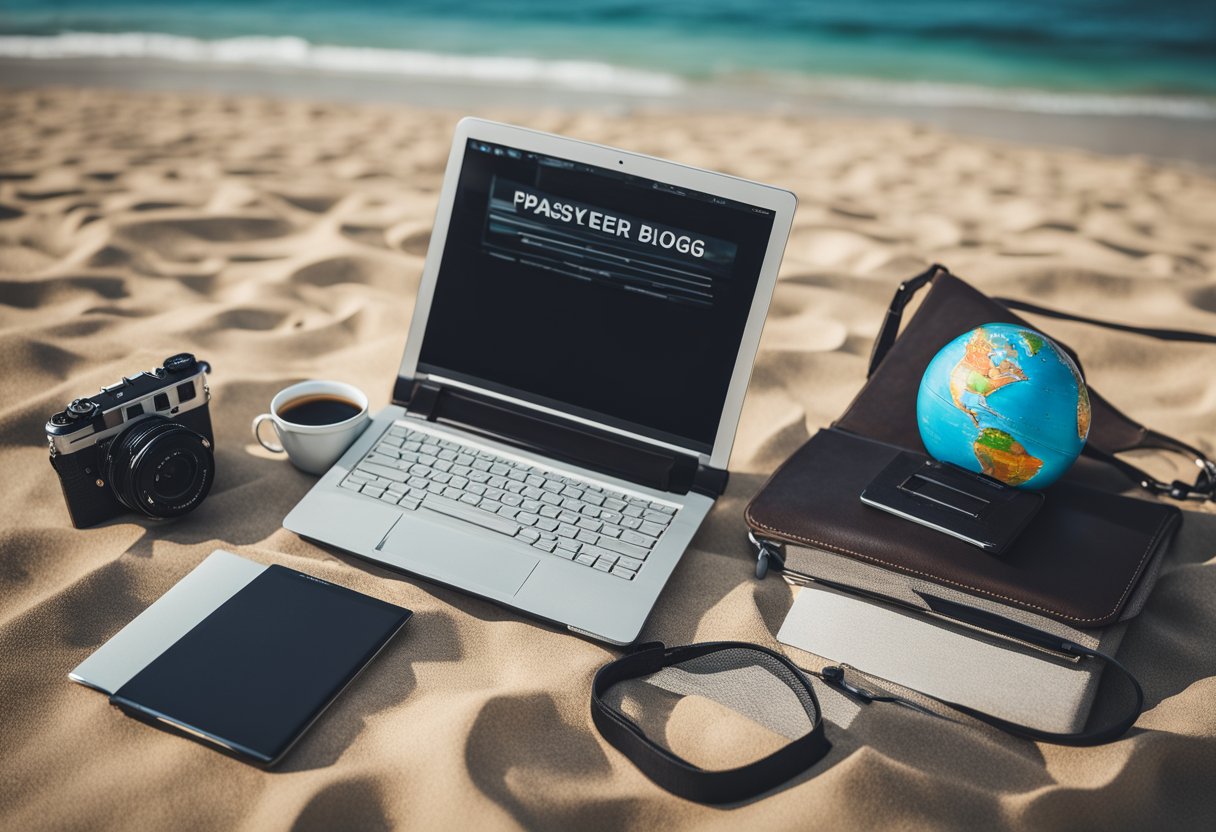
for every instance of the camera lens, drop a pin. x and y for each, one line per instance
(160, 467)
(173, 480)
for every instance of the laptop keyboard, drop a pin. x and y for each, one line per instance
(570, 518)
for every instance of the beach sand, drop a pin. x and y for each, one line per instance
(283, 240)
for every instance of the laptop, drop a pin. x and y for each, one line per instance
(576, 363)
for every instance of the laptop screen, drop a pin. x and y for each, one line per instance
(604, 295)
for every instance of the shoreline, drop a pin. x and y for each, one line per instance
(1175, 140)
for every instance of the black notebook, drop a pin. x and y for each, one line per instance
(252, 675)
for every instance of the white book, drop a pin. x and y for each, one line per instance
(1025, 685)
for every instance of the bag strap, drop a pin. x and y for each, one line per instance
(993, 623)
(674, 773)
(835, 677)
(680, 777)
(889, 331)
(1204, 487)
(1202, 490)
(1147, 331)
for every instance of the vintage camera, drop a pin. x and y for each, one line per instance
(142, 445)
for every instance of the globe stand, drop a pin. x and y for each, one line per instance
(971, 507)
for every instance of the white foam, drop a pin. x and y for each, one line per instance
(296, 53)
(932, 94)
(580, 75)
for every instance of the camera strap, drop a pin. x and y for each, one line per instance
(701, 661)
(674, 773)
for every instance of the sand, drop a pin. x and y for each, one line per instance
(284, 240)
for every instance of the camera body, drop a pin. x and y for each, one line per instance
(142, 445)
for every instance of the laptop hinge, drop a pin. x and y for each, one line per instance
(559, 439)
(710, 481)
(403, 391)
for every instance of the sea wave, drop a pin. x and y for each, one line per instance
(279, 52)
(297, 53)
(1055, 102)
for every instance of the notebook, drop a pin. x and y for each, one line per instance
(242, 656)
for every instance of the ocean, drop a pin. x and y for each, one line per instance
(1089, 57)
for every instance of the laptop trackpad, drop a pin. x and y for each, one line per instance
(457, 558)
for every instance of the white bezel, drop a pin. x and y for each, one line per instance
(780, 202)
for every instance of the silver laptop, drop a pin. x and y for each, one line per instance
(576, 363)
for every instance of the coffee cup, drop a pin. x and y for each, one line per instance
(315, 422)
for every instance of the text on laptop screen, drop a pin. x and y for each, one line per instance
(608, 296)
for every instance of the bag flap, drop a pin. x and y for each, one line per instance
(885, 408)
(1078, 561)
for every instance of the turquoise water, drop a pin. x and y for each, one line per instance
(1129, 51)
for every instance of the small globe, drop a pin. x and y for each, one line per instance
(1005, 401)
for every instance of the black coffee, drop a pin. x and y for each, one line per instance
(322, 409)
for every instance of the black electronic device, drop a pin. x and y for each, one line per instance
(972, 507)
(242, 656)
(253, 675)
(143, 444)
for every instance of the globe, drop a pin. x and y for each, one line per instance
(1005, 401)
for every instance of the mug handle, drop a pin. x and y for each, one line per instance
(257, 423)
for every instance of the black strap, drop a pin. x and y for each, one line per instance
(682, 778)
(1150, 332)
(895, 313)
(676, 774)
(998, 624)
(835, 676)
(1104, 734)
(1203, 489)
(904, 293)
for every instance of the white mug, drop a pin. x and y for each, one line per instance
(313, 448)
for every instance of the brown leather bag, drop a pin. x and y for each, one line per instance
(1063, 590)
(1087, 560)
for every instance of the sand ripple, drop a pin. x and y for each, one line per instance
(282, 240)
